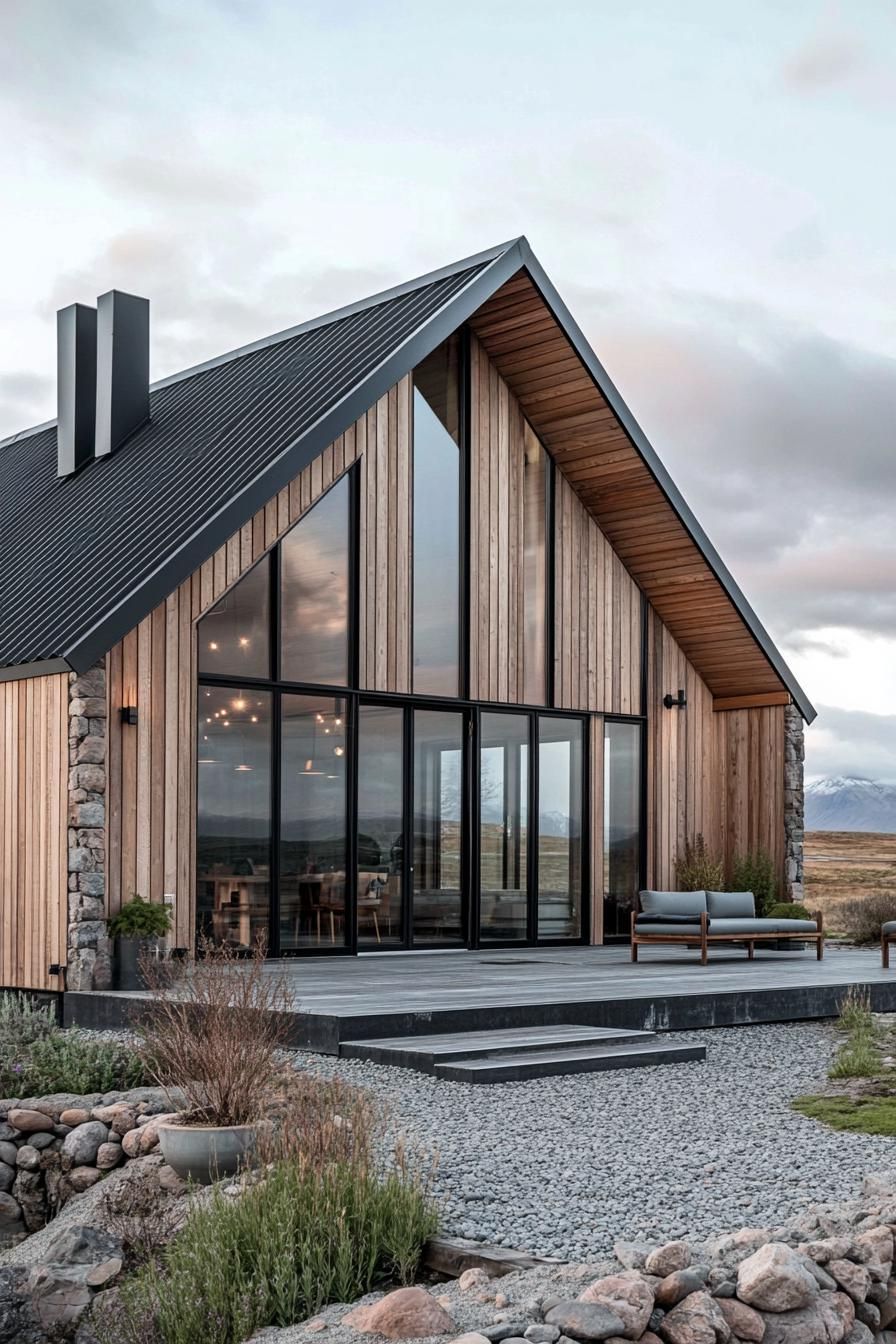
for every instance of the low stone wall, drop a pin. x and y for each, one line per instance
(54, 1147)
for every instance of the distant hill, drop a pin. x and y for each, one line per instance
(850, 803)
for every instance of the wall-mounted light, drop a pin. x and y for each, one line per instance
(675, 702)
(129, 715)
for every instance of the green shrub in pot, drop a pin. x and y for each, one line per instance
(136, 931)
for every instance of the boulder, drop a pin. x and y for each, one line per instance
(697, 1319)
(74, 1116)
(58, 1294)
(10, 1212)
(542, 1334)
(742, 1320)
(876, 1245)
(829, 1248)
(674, 1287)
(859, 1334)
(7, 1177)
(100, 1276)
(627, 1296)
(407, 1313)
(774, 1278)
(8, 1152)
(825, 1321)
(17, 1318)
(667, 1259)
(80, 1147)
(108, 1155)
(471, 1337)
(471, 1279)
(82, 1244)
(30, 1122)
(632, 1254)
(28, 1158)
(853, 1279)
(585, 1320)
(82, 1178)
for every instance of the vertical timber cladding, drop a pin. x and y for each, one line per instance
(597, 612)
(716, 774)
(151, 766)
(33, 830)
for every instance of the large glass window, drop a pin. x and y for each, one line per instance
(312, 822)
(536, 465)
(234, 634)
(233, 825)
(504, 826)
(438, 825)
(622, 824)
(380, 823)
(559, 827)
(314, 593)
(436, 529)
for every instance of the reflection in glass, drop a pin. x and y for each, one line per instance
(312, 822)
(536, 464)
(380, 823)
(314, 588)
(622, 824)
(436, 531)
(437, 824)
(559, 827)
(504, 826)
(233, 826)
(234, 634)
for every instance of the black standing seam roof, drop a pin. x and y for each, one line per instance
(83, 559)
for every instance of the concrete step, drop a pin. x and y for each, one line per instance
(547, 1063)
(426, 1052)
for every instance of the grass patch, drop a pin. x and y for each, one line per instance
(858, 1115)
(37, 1057)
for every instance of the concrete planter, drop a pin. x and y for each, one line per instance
(126, 968)
(206, 1153)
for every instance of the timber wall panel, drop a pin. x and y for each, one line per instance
(716, 774)
(597, 616)
(152, 766)
(33, 829)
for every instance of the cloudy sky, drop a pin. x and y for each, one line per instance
(710, 186)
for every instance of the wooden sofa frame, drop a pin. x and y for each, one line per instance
(708, 938)
(885, 940)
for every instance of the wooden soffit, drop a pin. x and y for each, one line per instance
(596, 453)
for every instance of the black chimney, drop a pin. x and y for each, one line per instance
(122, 368)
(75, 387)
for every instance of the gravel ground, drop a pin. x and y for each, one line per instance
(566, 1166)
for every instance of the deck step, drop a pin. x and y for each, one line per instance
(426, 1053)
(554, 1063)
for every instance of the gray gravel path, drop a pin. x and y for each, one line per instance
(566, 1166)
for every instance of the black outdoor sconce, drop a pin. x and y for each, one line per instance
(129, 715)
(675, 702)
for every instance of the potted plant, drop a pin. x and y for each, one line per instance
(212, 1040)
(137, 930)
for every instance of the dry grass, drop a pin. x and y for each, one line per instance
(215, 1033)
(842, 866)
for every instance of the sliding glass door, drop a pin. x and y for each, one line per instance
(531, 877)
(622, 825)
(438, 827)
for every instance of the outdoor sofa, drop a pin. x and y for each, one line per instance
(706, 918)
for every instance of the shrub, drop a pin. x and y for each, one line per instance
(696, 869)
(862, 916)
(140, 919)
(787, 910)
(755, 872)
(288, 1245)
(73, 1061)
(37, 1056)
(215, 1033)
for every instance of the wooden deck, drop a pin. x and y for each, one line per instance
(341, 999)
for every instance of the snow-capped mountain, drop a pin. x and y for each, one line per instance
(850, 803)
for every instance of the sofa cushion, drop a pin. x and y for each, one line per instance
(655, 926)
(889, 927)
(667, 919)
(731, 904)
(673, 902)
(747, 926)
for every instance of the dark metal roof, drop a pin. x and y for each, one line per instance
(84, 559)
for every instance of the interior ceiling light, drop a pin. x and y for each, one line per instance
(244, 643)
(338, 751)
(213, 645)
(239, 704)
(242, 767)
